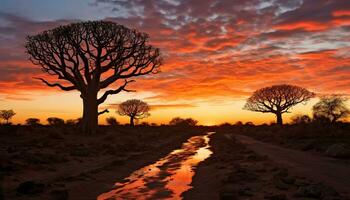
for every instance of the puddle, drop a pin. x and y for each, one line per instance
(168, 178)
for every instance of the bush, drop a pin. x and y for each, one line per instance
(301, 119)
(177, 121)
(112, 121)
(55, 121)
(71, 122)
(32, 121)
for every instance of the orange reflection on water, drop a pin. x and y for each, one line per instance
(168, 178)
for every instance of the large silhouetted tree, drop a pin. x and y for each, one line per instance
(89, 57)
(277, 99)
(135, 109)
(331, 108)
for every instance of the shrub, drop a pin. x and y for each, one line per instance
(301, 119)
(112, 121)
(55, 121)
(32, 121)
(71, 122)
(177, 121)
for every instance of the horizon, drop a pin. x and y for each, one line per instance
(205, 75)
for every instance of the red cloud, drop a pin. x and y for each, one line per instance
(307, 25)
(213, 57)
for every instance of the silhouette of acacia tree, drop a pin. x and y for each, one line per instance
(277, 99)
(90, 56)
(135, 109)
(7, 115)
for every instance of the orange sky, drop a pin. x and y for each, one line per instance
(216, 53)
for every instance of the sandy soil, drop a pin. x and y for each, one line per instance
(235, 172)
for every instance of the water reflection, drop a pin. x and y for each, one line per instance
(168, 178)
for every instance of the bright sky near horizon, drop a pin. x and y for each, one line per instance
(216, 53)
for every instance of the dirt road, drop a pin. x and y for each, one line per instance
(333, 172)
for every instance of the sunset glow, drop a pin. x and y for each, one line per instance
(215, 54)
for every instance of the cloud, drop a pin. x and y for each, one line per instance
(213, 49)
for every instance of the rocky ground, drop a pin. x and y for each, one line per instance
(57, 163)
(235, 172)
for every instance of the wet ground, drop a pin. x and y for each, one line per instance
(167, 178)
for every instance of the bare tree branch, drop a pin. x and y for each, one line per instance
(104, 111)
(65, 88)
(111, 92)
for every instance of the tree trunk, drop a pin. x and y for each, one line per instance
(279, 118)
(90, 113)
(132, 121)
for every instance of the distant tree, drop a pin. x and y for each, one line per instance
(55, 121)
(331, 108)
(112, 121)
(300, 119)
(177, 121)
(32, 121)
(277, 99)
(7, 115)
(91, 56)
(135, 109)
(154, 124)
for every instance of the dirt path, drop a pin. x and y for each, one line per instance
(333, 172)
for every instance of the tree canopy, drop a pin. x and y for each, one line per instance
(7, 115)
(135, 109)
(331, 108)
(277, 99)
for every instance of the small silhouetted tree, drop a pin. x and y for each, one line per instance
(177, 121)
(32, 121)
(330, 108)
(135, 109)
(7, 115)
(300, 119)
(277, 99)
(55, 121)
(112, 121)
(89, 57)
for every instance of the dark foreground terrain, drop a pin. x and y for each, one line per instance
(332, 140)
(57, 163)
(236, 172)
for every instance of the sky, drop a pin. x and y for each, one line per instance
(216, 53)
